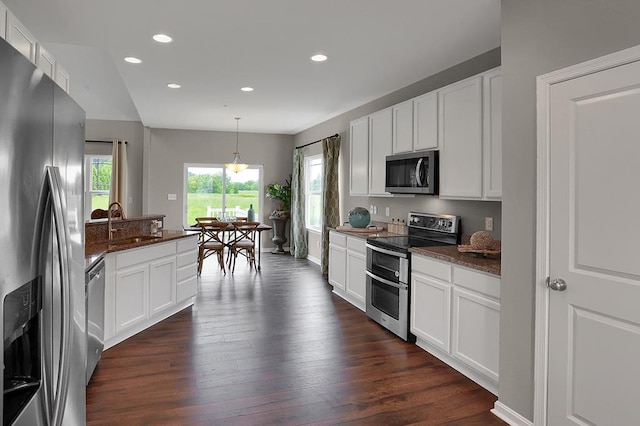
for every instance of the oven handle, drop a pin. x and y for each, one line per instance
(385, 251)
(401, 286)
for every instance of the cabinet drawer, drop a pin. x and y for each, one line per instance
(481, 283)
(431, 267)
(188, 243)
(338, 239)
(187, 288)
(187, 258)
(144, 254)
(356, 244)
(187, 272)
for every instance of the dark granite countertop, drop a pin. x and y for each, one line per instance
(104, 246)
(490, 264)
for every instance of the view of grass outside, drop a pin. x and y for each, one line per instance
(100, 180)
(213, 191)
(313, 172)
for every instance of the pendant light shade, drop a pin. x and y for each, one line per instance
(236, 165)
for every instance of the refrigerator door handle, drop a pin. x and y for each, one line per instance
(52, 201)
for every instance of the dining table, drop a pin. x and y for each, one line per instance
(261, 228)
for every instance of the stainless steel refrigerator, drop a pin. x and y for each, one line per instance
(42, 296)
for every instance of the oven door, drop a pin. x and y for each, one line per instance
(387, 296)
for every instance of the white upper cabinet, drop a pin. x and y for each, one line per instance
(359, 151)
(45, 61)
(403, 127)
(20, 38)
(3, 21)
(425, 121)
(380, 134)
(62, 78)
(492, 112)
(460, 136)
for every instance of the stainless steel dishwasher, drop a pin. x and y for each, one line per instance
(94, 325)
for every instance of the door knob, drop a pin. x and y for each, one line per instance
(558, 284)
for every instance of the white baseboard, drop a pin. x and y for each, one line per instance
(313, 260)
(508, 415)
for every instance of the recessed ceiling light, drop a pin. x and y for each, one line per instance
(162, 38)
(247, 89)
(319, 58)
(132, 60)
(173, 86)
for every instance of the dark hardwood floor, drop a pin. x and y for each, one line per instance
(277, 347)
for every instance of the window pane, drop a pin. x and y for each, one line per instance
(204, 193)
(314, 210)
(243, 190)
(100, 173)
(99, 201)
(213, 191)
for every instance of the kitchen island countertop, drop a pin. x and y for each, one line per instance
(106, 246)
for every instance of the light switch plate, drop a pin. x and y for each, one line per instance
(488, 224)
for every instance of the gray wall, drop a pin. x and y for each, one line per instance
(472, 212)
(538, 37)
(169, 150)
(132, 132)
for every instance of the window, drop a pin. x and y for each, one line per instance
(97, 182)
(213, 191)
(313, 192)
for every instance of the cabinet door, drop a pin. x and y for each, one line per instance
(493, 134)
(460, 136)
(45, 61)
(431, 310)
(359, 151)
(3, 21)
(62, 78)
(425, 121)
(403, 127)
(162, 284)
(476, 331)
(132, 296)
(380, 134)
(337, 266)
(19, 37)
(356, 281)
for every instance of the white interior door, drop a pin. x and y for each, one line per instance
(594, 206)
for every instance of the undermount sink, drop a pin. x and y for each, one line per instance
(134, 240)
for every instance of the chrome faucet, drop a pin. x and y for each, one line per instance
(118, 208)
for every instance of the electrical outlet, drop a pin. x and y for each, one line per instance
(172, 197)
(386, 211)
(488, 224)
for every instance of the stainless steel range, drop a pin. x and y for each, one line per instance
(389, 268)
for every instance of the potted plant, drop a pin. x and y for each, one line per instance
(282, 194)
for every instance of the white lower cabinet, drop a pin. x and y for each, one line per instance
(337, 260)
(146, 285)
(455, 316)
(347, 264)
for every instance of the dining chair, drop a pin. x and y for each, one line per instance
(244, 243)
(212, 233)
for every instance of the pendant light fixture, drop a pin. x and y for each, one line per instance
(236, 165)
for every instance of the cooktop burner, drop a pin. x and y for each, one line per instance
(425, 230)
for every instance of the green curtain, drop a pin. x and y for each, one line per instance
(298, 246)
(330, 195)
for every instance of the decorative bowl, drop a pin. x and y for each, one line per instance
(359, 217)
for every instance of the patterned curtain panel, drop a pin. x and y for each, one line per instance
(298, 246)
(330, 195)
(118, 191)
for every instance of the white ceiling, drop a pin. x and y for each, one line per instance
(374, 46)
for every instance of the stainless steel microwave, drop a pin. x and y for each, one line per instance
(412, 173)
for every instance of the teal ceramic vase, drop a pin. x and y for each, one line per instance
(359, 217)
